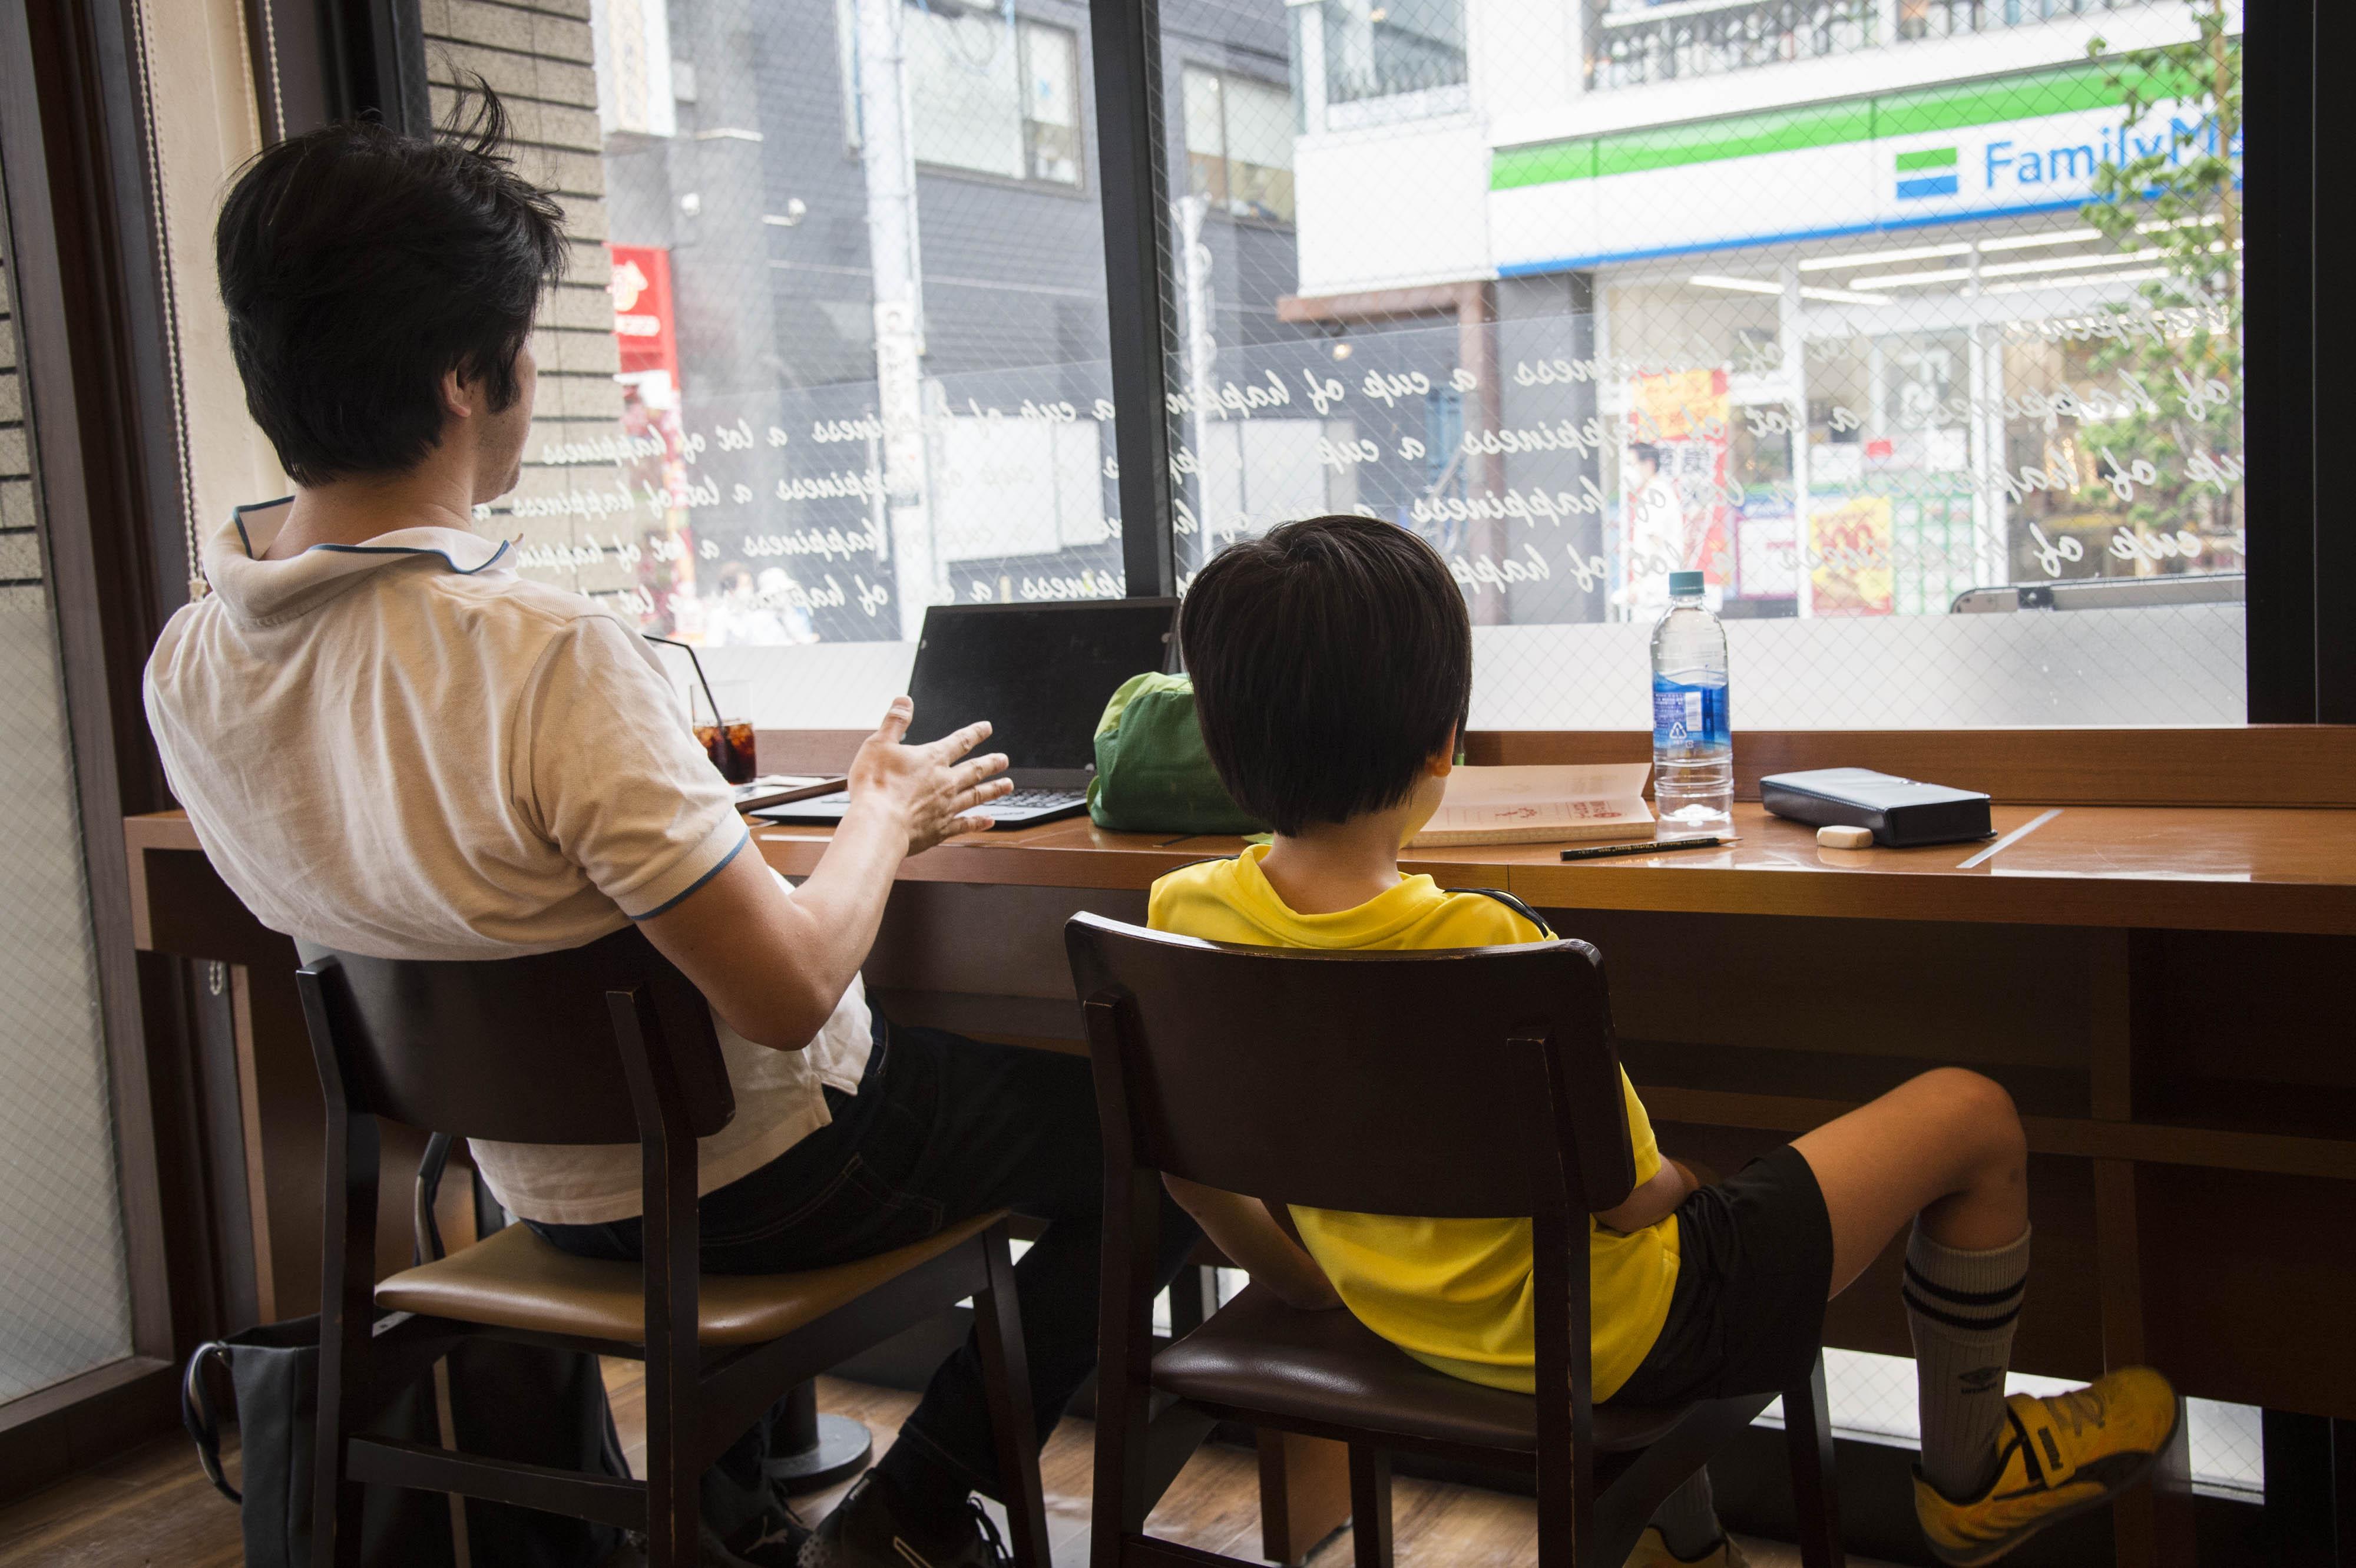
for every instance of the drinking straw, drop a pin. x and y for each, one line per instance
(691, 659)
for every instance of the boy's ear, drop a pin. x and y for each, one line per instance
(1443, 763)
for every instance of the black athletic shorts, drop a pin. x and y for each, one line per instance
(1755, 1260)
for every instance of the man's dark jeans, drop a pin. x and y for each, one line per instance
(942, 1127)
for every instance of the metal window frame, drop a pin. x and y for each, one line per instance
(321, 60)
(1125, 39)
(2302, 646)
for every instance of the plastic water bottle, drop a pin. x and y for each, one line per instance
(1693, 737)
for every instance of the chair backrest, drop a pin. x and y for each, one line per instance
(520, 1050)
(1463, 1082)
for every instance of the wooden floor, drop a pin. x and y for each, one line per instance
(153, 1509)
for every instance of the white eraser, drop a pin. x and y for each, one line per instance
(1845, 838)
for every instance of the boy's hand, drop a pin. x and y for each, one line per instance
(1653, 1202)
(931, 791)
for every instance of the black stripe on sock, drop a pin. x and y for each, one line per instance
(1954, 1320)
(1964, 1298)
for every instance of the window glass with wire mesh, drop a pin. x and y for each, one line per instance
(64, 1295)
(1915, 326)
(834, 347)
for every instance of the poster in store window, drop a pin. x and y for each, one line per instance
(1849, 541)
(1674, 471)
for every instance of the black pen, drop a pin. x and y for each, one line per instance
(1652, 847)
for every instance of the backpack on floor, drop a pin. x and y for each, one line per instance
(504, 1402)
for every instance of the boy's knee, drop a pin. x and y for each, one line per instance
(1982, 1105)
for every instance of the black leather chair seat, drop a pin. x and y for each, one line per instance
(1257, 1354)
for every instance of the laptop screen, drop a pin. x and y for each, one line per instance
(1039, 674)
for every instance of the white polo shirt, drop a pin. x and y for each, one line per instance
(403, 749)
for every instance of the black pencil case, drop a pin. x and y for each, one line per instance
(1900, 811)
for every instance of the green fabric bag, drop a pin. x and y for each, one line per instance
(1152, 773)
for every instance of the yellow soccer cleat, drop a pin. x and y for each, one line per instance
(1651, 1552)
(2058, 1456)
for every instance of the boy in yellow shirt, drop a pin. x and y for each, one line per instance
(1333, 666)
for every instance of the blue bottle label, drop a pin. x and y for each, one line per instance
(1689, 717)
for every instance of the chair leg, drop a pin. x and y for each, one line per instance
(1370, 1506)
(674, 1491)
(337, 1501)
(1815, 1491)
(1006, 1380)
(1190, 1300)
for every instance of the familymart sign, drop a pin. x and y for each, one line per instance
(1996, 148)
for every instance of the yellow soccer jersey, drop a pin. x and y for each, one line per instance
(1453, 1294)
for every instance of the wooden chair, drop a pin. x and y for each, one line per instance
(1451, 1083)
(602, 1044)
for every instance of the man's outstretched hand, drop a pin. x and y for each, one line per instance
(934, 789)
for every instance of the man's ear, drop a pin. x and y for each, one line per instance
(458, 394)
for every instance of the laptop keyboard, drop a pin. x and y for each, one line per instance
(1039, 800)
(1038, 797)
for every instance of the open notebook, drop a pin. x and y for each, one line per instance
(1540, 805)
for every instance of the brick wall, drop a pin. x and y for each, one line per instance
(537, 56)
(20, 550)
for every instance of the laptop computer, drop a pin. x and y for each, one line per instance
(1042, 675)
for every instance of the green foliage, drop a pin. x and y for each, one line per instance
(2174, 464)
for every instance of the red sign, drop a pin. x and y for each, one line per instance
(643, 319)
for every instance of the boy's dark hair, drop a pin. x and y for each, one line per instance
(359, 265)
(1330, 659)
(1646, 452)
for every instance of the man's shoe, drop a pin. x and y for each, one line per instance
(772, 1541)
(869, 1530)
(2058, 1456)
(761, 1550)
(1652, 1551)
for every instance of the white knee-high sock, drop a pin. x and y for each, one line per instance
(1961, 1308)
(1688, 1518)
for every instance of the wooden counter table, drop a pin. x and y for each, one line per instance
(2158, 986)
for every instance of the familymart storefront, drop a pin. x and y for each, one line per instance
(1870, 354)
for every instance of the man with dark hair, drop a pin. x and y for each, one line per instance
(1333, 666)
(360, 268)
(389, 744)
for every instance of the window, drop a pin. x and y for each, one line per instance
(1632, 45)
(1239, 144)
(1637, 41)
(1050, 103)
(993, 95)
(1378, 49)
(790, 398)
(65, 1283)
(1929, 356)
